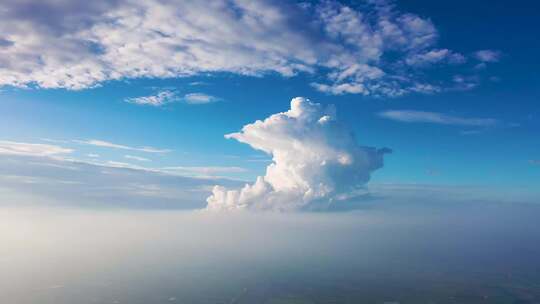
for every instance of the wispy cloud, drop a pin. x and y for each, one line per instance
(203, 171)
(31, 149)
(56, 141)
(411, 116)
(107, 183)
(138, 158)
(200, 98)
(535, 162)
(197, 83)
(157, 100)
(488, 55)
(168, 96)
(57, 155)
(117, 164)
(464, 83)
(472, 132)
(106, 144)
(437, 56)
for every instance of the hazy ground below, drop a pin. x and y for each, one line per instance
(407, 253)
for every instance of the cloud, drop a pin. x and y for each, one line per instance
(157, 100)
(31, 149)
(55, 156)
(4, 43)
(198, 83)
(199, 98)
(137, 158)
(105, 184)
(202, 171)
(471, 250)
(106, 144)
(411, 116)
(56, 141)
(435, 57)
(472, 132)
(534, 162)
(78, 44)
(488, 55)
(464, 83)
(117, 164)
(316, 162)
(169, 96)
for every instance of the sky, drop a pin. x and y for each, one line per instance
(130, 103)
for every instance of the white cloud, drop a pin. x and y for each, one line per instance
(464, 83)
(199, 98)
(197, 83)
(77, 44)
(117, 164)
(203, 171)
(412, 116)
(425, 88)
(432, 57)
(159, 99)
(56, 141)
(488, 55)
(107, 183)
(30, 149)
(137, 158)
(316, 162)
(55, 157)
(106, 144)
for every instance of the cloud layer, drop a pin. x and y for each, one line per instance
(55, 180)
(379, 255)
(316, 162)
(370, 48)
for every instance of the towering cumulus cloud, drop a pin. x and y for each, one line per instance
(316, 162)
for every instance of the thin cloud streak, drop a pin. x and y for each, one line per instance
(203, 171)
(412, 116)
(106, 144)
(31, 149)
(138, 158)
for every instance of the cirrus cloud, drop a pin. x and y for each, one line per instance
(106, 144)
(31, 149)
(412, 116)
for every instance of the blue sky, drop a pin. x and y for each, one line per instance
(455, 98)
